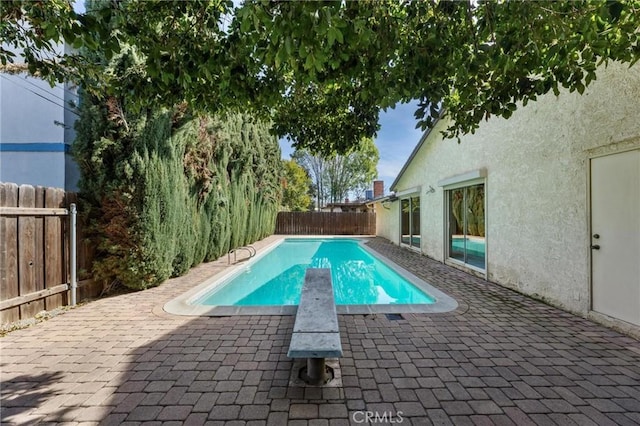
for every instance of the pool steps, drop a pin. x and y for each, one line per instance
(250, 249)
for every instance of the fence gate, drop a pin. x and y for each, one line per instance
(36, 258)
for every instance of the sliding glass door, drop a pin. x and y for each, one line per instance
(466, 225)
(410, 221)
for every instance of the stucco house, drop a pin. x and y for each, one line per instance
(546, 203)
(37, 131)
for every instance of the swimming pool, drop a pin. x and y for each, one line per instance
(277, 278)
(364, 282)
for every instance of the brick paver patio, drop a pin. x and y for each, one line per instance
(500, 358)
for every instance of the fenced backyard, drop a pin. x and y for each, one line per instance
(35, 253)
(326, 223)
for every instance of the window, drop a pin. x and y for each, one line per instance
(466, 236)
(410, 221)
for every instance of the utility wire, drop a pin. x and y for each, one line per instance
(26, 80)
(41, 96)
(13, 79)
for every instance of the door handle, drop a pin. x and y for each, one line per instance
(595, 247)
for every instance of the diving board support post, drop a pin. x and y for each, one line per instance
(316, 370)
(316, 335)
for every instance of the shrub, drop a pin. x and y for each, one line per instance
(169, 190)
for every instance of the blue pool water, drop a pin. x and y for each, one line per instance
(277, 278)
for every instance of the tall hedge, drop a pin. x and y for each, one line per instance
(166, 191)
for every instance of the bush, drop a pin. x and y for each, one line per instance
(168, 190)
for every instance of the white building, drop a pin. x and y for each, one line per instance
(546, 202)
(36, 132)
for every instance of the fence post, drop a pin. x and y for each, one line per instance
(72, 249)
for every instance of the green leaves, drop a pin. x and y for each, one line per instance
(296, 187)
(334, 34)
(323, 70)
(336, 176)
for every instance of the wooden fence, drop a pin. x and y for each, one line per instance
(325, 223)
(34, 252)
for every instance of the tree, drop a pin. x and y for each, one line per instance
(296, 186)
(352, 172)
(315, 166)
(35, 29)
(335, 176)
(166, 188)
(475, 58)
(323, 70)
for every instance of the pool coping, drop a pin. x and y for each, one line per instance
(181, 305)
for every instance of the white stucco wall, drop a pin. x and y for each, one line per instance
(536, 186)
(388, 221)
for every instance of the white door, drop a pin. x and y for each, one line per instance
(615, 239)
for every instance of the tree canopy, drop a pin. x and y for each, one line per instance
(336, 176)
(322, 71)
(296, 186)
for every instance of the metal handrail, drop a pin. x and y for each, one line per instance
(250, 249)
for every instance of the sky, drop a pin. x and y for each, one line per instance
(395, 140)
